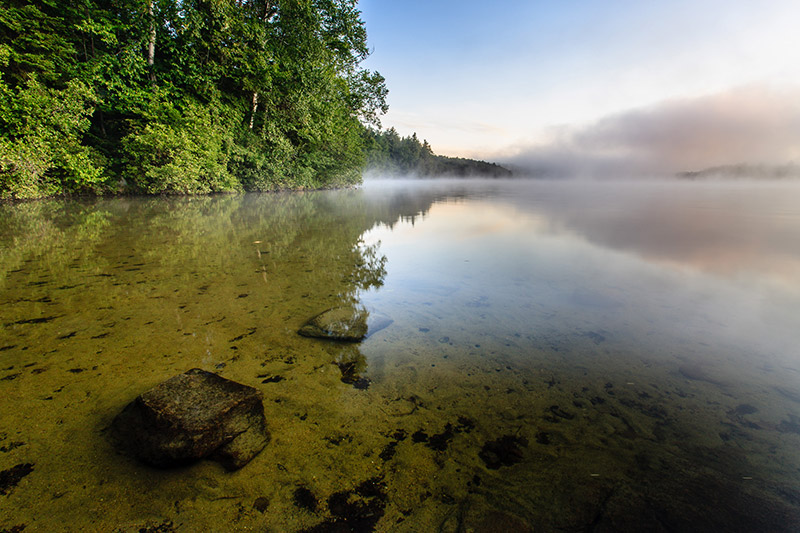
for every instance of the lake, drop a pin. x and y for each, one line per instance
(562, 356)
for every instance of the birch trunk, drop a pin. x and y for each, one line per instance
(254, 109)
(151, 45)
(265, 18)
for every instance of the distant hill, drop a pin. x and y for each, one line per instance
(745, 171)
(390, 154)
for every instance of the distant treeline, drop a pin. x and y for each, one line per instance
(390, 154)
(745, 171)
(182, 96)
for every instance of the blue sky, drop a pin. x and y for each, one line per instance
(502, 79)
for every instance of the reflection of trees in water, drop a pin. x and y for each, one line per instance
(312, 239)
(320, 224)
(54, 233)
(352, 364)
(151, 254)
(371, 270)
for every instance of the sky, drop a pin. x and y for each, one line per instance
(593, 85)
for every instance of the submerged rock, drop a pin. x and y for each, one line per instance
(345, 324)
(697, 372)
(305, 499)
(359, 509)
(504, 451)
(352, 363)
(192, 416)
(9, 478)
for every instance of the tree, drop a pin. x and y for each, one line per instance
(390, 154)
(185, 95)
(40, 150)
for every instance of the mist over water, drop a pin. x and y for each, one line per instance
(753, 124)
(570, 355)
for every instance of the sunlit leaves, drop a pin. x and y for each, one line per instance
(188, 123)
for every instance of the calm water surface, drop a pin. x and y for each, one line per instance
(562, 357)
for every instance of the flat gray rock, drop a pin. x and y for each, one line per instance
(192, 416)
(345, 324)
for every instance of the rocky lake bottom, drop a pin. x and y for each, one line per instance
(534, 375)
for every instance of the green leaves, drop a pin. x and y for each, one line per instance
(182, 150)
(81, 108)
(41, 152)
(37, 43)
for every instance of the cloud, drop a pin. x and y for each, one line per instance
(754, 124)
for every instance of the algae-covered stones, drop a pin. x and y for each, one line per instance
(192, 416)
(345, 324)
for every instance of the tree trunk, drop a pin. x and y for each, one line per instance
(151, 45)
(266, 18)
(254, 109)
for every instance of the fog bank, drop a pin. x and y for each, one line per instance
(754, 124)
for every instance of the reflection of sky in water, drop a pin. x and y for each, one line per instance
(717, 263)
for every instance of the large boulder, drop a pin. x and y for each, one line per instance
(351, 324)
(192, 416)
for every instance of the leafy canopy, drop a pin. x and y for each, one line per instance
(182, 96)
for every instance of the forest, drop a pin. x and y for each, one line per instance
(183, 96)
(389, 154)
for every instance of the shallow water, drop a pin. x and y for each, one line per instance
(562, 357)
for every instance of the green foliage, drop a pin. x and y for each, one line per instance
(390, 154)
(181, 150)
(36, 40)
(251, 94)
(40, 150)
